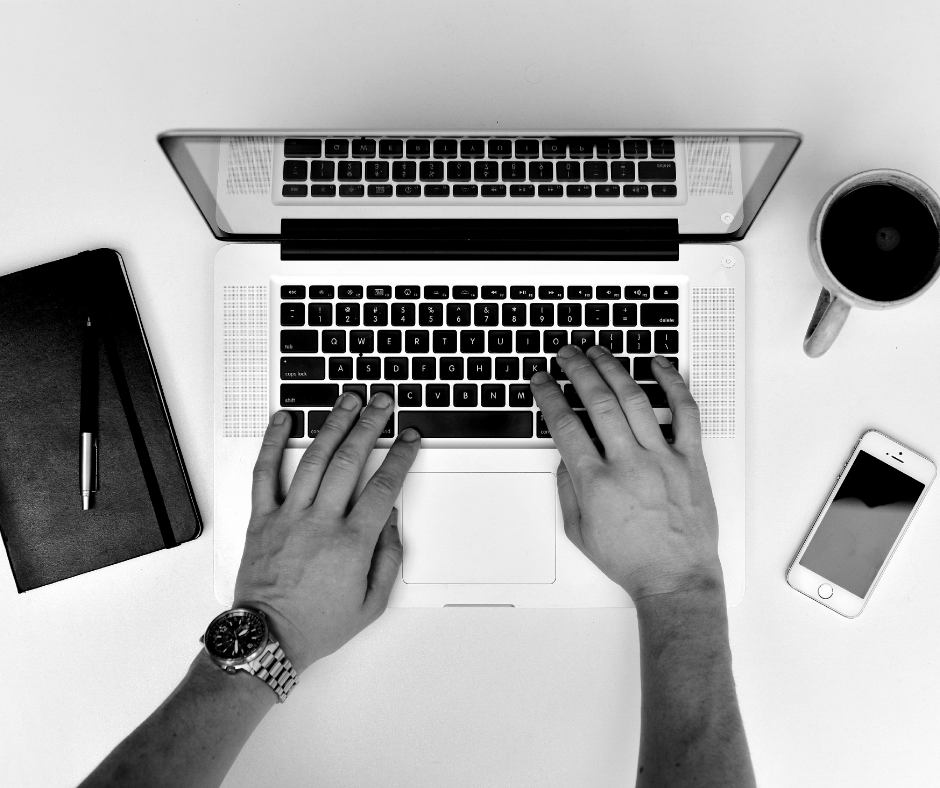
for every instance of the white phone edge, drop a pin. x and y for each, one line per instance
(807, 582)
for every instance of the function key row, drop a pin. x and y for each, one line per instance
(576, 190)
(576, 148)
(487, 292)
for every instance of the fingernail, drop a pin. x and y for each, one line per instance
(596, 350)
(380, 400)
(410, 435)
(349, 401)
(568, 351)
(280, 417)
(393, 518)
(661, 361)
(539, 377)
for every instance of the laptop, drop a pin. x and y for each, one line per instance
(445, 268)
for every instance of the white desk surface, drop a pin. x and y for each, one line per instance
(487, 697)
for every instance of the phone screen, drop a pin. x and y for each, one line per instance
(862, 523)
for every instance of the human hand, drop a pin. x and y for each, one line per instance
(318, 564)
(642, 510)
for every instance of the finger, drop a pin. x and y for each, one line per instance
(345, 468)
(383, 488)
(265, 478)
(570, 509)
(316, 459)
(633, 400)
(686, 419)
(601, 403)
(571, 439)
(386, 562)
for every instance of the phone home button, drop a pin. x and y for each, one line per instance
(825, 591)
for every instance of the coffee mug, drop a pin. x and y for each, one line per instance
(874, 243)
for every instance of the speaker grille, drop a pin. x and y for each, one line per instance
(244, 361)
(713, 351)
(250, 161)
(709, 166)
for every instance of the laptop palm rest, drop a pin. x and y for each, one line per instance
(478, 528)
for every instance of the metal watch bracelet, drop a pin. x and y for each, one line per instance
(275, 670)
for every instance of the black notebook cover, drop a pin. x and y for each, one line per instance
(144, 500)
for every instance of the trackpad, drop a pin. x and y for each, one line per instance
(478, 528)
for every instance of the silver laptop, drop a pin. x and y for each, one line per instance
(446, 268)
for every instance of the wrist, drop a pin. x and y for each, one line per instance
(240, 689)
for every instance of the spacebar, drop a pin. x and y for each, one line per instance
(467, 423)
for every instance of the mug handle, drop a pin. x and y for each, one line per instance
(825, 324)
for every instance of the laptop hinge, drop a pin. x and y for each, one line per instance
(594, 239)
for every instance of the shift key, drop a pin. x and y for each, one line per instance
(309, 395)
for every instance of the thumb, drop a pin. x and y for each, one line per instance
(386, 563)
(570, 508)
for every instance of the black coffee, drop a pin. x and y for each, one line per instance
(880, 241)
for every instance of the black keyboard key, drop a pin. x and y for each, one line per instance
(444, 341)
(409, 395)
(657, 396)
(639, 342)
(348, 292)
(479, 368)
(337, 149)
(485, 314)
(635, 149)
(541, 314)
(659, 315)
(292, 314)
(527, 342)
(368, 368)
(319, 314)
(607, 190)
(541, 171)
(375, 315)
(357, 389)
(389, 342)
(396, 368)
(472, 149)
(458, 314)
(465, 190)
(657, 171)
(431, 314)
(621, 171)
(580, 292)
(361, 342)
(522, 293)
(467, 424)
(347, 314)
(572, 396)
(664, 190)
(465, 292)
(431, 170)
(551, 190)
(569, 171)
(514, 315)
(612, 340)
(666, 342)
(382, 388)
(513, 170)
(436, 292)
(555, 370)
(418, 149)
(408, 190)
(569, 315)
(608, 149)
(493, 190)
(583, 339)
(380, 190)
(554, 341)
(527, 149)
(294, 190)
(458, 171)
(309, 395)
(506, 368)
(578, 190)
(438, 395)
(295, 170)
(403, 314)
(642, 367)
(407, 292)
(625, 314)
(608, 293)
(471, 342)
(533, 364)
(445, 149)
(581, 148)
(499, 342)
(352, 190)
(451, 368)
(551, 292)
(499, 149)
(378, 291)
(363, 148)
(350, 170)
(417, 341)
(303, 368)
(299, 341)
(436, 190)
(636, 293)
(520, 395)
(493, 395)
(597, 314)
(662, 292)
(595, 171)
(554, 149)
(465, 395)
(322, 170)
(522, 190)
(423, 368)
(663, 149)
(391, 149)
(334, 341)
(315, 421)
(493, 293)
(323, 190)
(636, 190)
(404, 171)
(302, 147)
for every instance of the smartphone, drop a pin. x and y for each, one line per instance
(861, 523)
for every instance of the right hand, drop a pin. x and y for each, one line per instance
(642, 510)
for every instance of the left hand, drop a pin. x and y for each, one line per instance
(320, 565)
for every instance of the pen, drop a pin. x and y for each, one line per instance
(88, 417)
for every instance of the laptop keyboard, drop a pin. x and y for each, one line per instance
(460, 169)
(456, 358)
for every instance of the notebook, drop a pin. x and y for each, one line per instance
(446, 268)
(144, 500)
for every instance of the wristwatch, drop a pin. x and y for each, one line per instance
(239, 639)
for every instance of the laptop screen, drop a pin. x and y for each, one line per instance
(268, 186)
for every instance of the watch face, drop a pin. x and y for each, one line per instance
(235, 635)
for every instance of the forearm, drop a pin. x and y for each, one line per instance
(194, 737)
(691, 728)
